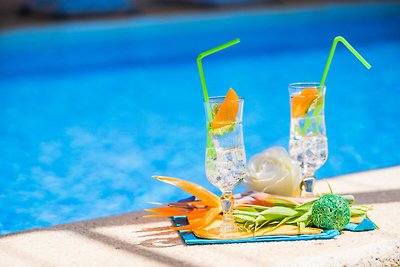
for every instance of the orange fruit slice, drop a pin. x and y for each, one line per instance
(301, 103)
(226, 114)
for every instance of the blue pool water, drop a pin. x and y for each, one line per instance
(90, 111)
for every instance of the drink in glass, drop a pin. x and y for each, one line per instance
(308, 143)
(225, 153)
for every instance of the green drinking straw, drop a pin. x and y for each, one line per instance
(328, 63)
(337, 39)
(201, 72)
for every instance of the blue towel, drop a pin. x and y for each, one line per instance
(365, 225)
(190, 239)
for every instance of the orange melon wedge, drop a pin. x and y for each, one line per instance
(226, 114)
(301, 103)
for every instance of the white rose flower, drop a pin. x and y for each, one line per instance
(273, 171)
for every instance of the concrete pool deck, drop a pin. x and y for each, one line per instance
(130, 240)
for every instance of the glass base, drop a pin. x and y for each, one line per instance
(228, 231)
(227, 227)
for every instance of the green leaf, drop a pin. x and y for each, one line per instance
(249, 225)
(253, 214)
(283, 201)
(308, 222)
(349, 198)
(306, 206)
(249, 209)
(255, 207)
(359, 211)
(302, 225)
(330, 188)
(243, 218)
(275, 213)
(260, 219)
(259, 226)
(279, 211)
(279, 224)
(303, 218)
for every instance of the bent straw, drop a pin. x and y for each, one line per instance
(201, 72)
(328, 63)
(337, 39)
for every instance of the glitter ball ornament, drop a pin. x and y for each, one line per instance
(331, 212)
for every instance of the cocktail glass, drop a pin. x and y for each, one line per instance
(225, 157)
(308, 143)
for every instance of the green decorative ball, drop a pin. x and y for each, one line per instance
(331, 212)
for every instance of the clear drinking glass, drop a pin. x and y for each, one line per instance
(225, 157)
(308, 143)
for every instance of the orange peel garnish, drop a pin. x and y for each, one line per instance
(301, 103)
(226, 114)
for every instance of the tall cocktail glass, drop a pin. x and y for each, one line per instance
(308, 143)
(225, 156)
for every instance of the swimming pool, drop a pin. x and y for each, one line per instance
(89, 111)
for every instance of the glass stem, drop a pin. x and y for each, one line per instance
(308, 185)
(227, 210)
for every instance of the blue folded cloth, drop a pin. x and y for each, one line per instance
(365, 225)
(190, 239)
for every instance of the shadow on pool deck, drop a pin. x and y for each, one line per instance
(161, 236)
(383, 196)
(139, 249)
(152, 237)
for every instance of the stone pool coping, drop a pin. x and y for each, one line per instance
(130, 240)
